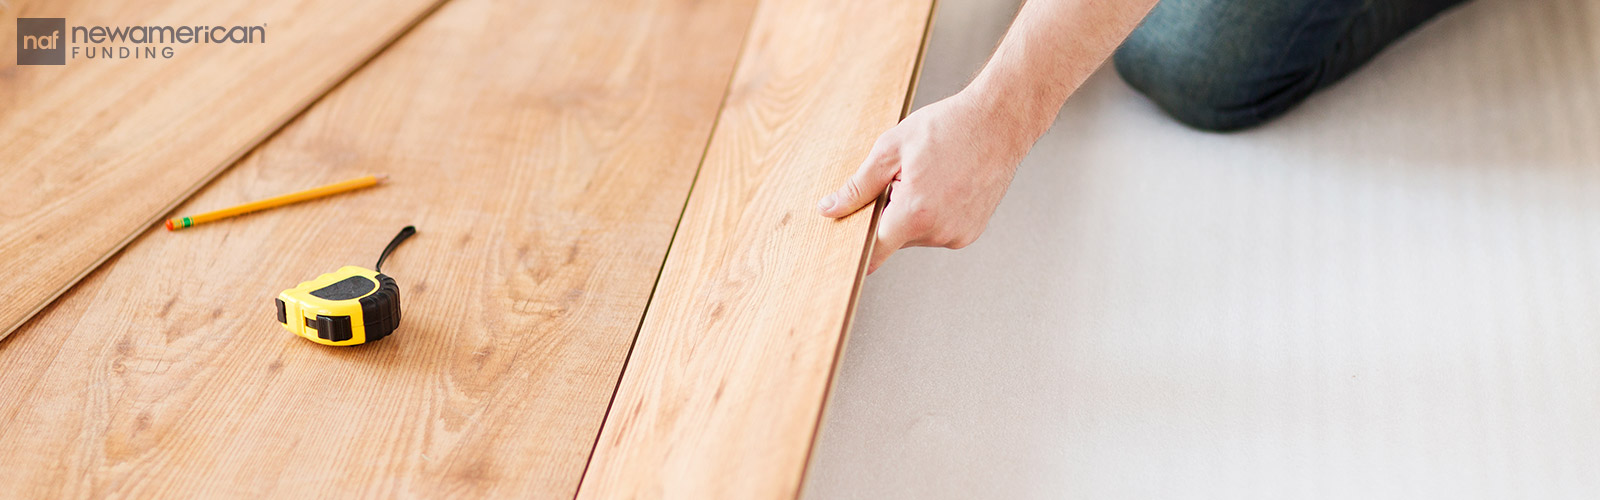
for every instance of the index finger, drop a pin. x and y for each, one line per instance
(892, 233)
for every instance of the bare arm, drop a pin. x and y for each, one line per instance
(951, 161)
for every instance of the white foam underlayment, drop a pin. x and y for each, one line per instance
(1392, 292)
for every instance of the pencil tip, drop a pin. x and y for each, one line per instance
(382, 177)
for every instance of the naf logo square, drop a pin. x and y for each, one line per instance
(41, 41)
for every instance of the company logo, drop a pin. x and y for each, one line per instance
(41, 41)
(48, 41)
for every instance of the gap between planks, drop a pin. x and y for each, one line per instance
(570, 382)
(668, 435)
(270, 130)
(654, 286)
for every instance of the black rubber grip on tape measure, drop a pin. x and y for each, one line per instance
(380, 310)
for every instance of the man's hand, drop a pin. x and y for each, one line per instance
(949, 164)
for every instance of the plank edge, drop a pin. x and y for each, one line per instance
(866, 258)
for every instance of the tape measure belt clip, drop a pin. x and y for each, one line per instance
(334, 328)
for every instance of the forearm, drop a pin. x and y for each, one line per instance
(1051, 48)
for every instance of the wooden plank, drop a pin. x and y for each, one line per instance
(544, 150)
(95, 151)
(723, 389)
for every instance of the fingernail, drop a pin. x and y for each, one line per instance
(826, 203)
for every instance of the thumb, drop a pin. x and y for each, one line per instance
(870, 179)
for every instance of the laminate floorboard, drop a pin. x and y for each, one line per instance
(543, 150)
(725, 384)
(95, 151)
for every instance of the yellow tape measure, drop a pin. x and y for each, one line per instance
(350, 306)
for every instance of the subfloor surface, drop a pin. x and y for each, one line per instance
(1392, 292)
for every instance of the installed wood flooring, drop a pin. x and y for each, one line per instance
(732, 364)
(94, 152)
(550, 155)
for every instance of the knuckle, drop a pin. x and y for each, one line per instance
(965, 238)
(851, 190)
(960, 241)
(885, 153)
(883, 144)
(889, 138)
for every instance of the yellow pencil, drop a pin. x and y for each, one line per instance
(277, 201)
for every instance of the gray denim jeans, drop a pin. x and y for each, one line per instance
(1231, 64)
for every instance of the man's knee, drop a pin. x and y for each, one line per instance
(1213, 64)
(1189, 86)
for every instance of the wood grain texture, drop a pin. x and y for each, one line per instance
(724, 386)
(94, 152)
(544, 151)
